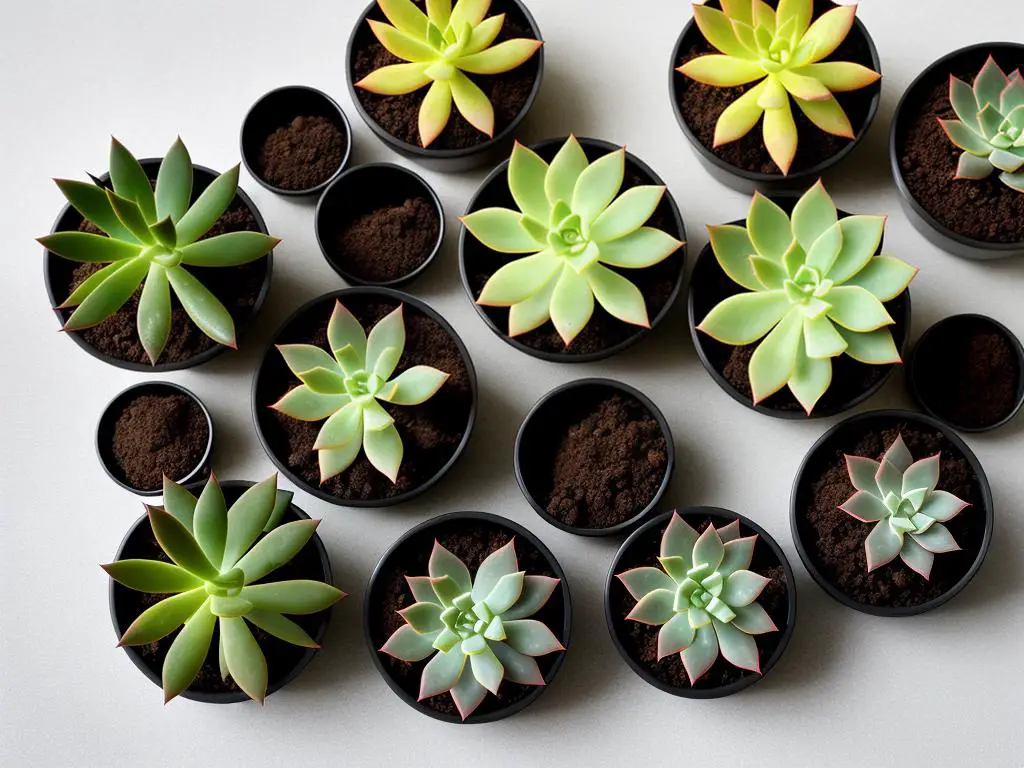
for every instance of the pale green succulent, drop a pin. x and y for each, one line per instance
(575, 225)
(347, 386)
(815, 287)
(217, 556)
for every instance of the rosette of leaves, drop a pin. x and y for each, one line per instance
(703, 597)
(990, 130)
(572, 228)
(782, 51)
(899, 496)
(477, 630)
(217, 555)
(815, 290)
(347, 385)
(439, 48)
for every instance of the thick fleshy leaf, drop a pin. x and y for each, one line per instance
(202, 307)
(304, 404)
(504, 594)
(875, 348)
(597, 187)
(743, 587)
(247, 518)
(323, 381)
(857, 309)
(825, 250)
(923, 473)
(829, 30)
(572, 304)
(435, 111)
(811, 378)
(961, 97)
(334, 461)
(738, 554)
(444, 563)
(130, 180)
(179, 502)
(813, 215)
(421, 588)
(840, 76)
(640, 249)
(718, 31)
(174, 183)
(389, 332)
(753, 619)
(501, 230)
(1005, 160)
(862, 236)
(708, 550)
(531, 637)
(396, 79)
(745, 317)
(187, 653)
(403, 45)
(771, 275)
(484, 33)
(165, 233)
(780, 135)
(803, 86)
(468, 694)
(821, 339)
(733, 248)
(564, 172)
(244, 659)
(91, 201)
(518, 280)
(626, 214)
(917, 557)
(526, 174)
(990, 83)
(472, 103)
(501, 562)
(774, 360)
(405, 15)
(90, 284)
(737, 647)
(414, 385)
(655, 607)
(487, 670)
(300, 596)
(537, 590)
(519, 668)
(178, 543)
(678, 539)
(640, 581)
(228, 250)
(89, 248)
(722, 71)
(885, 277)
(533, 312)
(153, 318)
(344, 426)
(425, 618)
(131, 216)
(827, 115)
(210, 522)
(209, 207)
(1013, 180)
(275, 549)
(409, 645)
(675, 636)
(738, 10)
(153, 576)
(862, 472)
(943, 506)
(936, 539)
(160, 620)
(769, 228)
(701, 654)
(502, 57)
(882, 545)
(740, 117)
(619, 297)
(281, 627)
(442, 672)
(965, 138)
(301, 358)
(383, 448)
(799, 11)
(865, 505)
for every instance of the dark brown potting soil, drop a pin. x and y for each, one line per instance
(157, 435)
(389, 242)
(302, 154)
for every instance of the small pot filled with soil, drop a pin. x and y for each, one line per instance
(891, 513)
(971, 208)
(415, 444)
(594, 457)
(151, 430)
(437, 649)
(295, 140)
(380, 224)
(700, 603)
(968, 371)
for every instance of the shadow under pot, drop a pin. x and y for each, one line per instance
(460, 146)
(430, 433)
(284, 660)
(741, 597)
(874, 546)
(151, 430)
(379, 225)
(603, 335)
(974, 218)
(484, 554)
(594, 457)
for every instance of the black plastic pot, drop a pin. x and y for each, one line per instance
(105, 432)
(494, 192)
(69, 220)
(136, 540)
(537, 442)
(362, 190)
(271, 364)
(923, 221)
(827, 447)
(648, 536)
(447, 160)
(277, 109)
(417, 543)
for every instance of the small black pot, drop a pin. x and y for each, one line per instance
(364, 189)
(105, 432)
(447, 160)
(271, 365)
(69, 220)
(536, 443)
(924, 222)
(475, 257)
(417, 544)
(276, 109)
(649, 535)
(141, 535)
(830, 445)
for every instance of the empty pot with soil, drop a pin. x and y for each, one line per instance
(594, 457)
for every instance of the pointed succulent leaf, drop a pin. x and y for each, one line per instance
(937, 539)
(572, 304)
(826, 249)
(626, 214)
(813, 215)
(275, 549)
(409, 645)
(882, 545)
(531, 637)
(421, 588)
(519, 668)
(803, 86)
(821, 339)
(202, 307)
(176, 540)
(640, 581)
(708, 550)
(444, 563)
(132, 217)
(435, 110)
(829, 30)
(282, 503)
(862, 472)
(775, 358)
(153, 318)
(753, 619)
(503, 57)
(874, 348)
(964, 103)
(174, 183)
(780, 134)
(179, 502)
(305, 357)
(334, 461)
(247, 518)
(722, 71)
(966, 138)
(210, 522)
(840, 76)
(733, 248)
(396, 79)
(187, 653)
(740, 117)
(92, 202)
(500, 563)
(423, 617)
(640, 249)
(656, 607)
(564, 172)
(467, 694)
(917, 557)
(160, 620)
(405, 15)
(153, 576)
(244, 659)
(281, 628)
(943, 506)
(401, 44)
(484, 33)
(856, 309)
(737, 647)
(344, 426)
(990, 83)
(619, 297)
(810, 380)
(229, 607)
(131, 182)
(85, 288)
(537, 590)
(518, 280)
(388, 333)
(827, 115)
(228, 250)
(505, 593)
(718, 31)
(923, 473)
(299, 596)
(743, 587)
(472, 103)
(442, 672)
(769, 228)
(209, 207)
(304, 404)
(598, 185)
(701, 653)
(487, 670)
(414, 385)
(526, 174)
(678, 539)
(746, 317)
(110, 295)
(383, 448)
(89, 248)
(675, 636)
(738, 554)
(885, 277)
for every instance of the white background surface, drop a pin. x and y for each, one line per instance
(944, 689)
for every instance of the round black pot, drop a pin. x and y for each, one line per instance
(475, 259)
(272, 366)
(768, 183)
(139, 538)
(362, 190)
(447, 160)
(934, 342)
(278, 108)
(416, 545)
(537, 442)
(105, 434)
(830, 445)
(69, 221)
(970, 59)
(648, 536)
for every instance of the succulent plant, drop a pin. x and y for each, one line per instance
(898, 495)
(347, 386)
(484, 620)
(440, 47)
(815, 287)
(703, 597)
(990, 130)
(217, 557)
(783, 50)
(574, 225)
(151, 237)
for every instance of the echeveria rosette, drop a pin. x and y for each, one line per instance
(571, 226)
(990, 130)
(898, 495)
(484, 621)
(703, 597)
(151, 237)
(217, 554)
(784, 51)
(347, 385)
(815, 291)
(439, 48)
